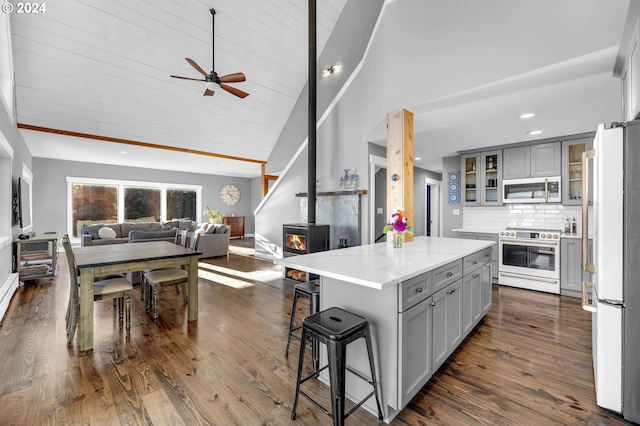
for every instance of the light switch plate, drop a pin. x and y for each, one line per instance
(456, 212)
(379, 210)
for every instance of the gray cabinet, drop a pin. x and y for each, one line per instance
(471, 302)
(415, 350)
(494, 248)
(447, 322)
(571, 273)
(485, 291)
(538, 160)
(446, 274)
(482, 178)
(572, 172)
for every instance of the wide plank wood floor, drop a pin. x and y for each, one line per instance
(527, 363)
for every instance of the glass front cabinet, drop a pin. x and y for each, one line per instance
(482, 178)
(572, 173)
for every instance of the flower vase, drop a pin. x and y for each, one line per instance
(398, 238)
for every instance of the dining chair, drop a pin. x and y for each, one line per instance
(116, 287)
(154, 280)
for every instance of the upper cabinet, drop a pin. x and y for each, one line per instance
(572, 173)
(532, 161)
(482, 178)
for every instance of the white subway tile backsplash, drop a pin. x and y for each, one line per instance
(550, 216)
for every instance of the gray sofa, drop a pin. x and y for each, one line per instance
(90, 232)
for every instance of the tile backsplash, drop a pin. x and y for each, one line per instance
(548, 216)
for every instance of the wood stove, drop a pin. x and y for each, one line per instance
(303, 238)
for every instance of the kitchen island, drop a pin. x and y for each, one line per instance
(421, 301)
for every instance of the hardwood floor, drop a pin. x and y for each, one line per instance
(527, 363)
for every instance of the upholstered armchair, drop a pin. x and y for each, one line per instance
(214, 240)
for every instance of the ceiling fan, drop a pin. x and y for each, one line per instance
(212, 80)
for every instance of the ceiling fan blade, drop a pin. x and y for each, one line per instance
(188, 78)
(239, 93)
(208, 92)
(196, 66)
(237, 77)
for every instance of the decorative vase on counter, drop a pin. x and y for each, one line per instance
(398, 239)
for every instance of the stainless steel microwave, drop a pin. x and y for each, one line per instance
(532, 190)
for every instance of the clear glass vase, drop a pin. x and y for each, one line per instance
(398, 239)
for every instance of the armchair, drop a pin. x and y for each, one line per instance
(214, 241)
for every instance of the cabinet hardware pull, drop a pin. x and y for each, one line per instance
(476, 275)
(586, 266)
(585, 297)
(449, 274)
(453, 290)
(419, 289)
(475, 262)
(433, 303)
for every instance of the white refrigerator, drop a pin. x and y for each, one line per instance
(615, 267)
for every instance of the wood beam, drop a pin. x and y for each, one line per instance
(400, 165)
(135, 143)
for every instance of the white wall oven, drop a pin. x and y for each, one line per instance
(532, 190)
(530, 259)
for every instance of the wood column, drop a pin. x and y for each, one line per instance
(400, 165)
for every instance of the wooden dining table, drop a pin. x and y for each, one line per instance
(121, 258)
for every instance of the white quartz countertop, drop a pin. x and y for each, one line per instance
(380, 265)
(479, 230)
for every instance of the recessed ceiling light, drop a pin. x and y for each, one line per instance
(534, 132)
(123, 152)
(418, 158)
(527, 115)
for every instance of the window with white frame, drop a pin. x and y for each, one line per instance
(112, 201)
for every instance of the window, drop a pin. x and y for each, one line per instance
(112, 201)
(182, 203)
(93, 203)
(141, 204)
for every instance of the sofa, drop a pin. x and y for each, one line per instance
(118, 233)
(214, 240)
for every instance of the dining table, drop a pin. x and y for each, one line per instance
(93, 261)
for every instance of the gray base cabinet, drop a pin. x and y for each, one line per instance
(416, 324)
(415, 352)
(494, 248)
(571, 273)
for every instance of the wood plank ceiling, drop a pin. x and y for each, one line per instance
(102, 68)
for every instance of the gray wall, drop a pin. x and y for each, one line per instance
(449, 221)
(50, 189)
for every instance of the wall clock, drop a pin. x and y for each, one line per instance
(230, 194)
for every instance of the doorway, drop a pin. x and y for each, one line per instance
(427, 203)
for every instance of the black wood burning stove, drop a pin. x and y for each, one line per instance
(303, 238)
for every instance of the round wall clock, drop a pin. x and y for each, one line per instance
(230, 194)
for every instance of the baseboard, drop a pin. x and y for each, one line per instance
(7, 289)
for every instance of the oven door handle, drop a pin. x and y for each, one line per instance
(544, 280)
(530, 243)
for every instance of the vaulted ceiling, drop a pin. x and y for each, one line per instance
(102, 68)
(466, 69)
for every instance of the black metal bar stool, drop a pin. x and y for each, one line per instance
(309, 290)
(336, 328)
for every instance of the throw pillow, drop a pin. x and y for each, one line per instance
(106, 233)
